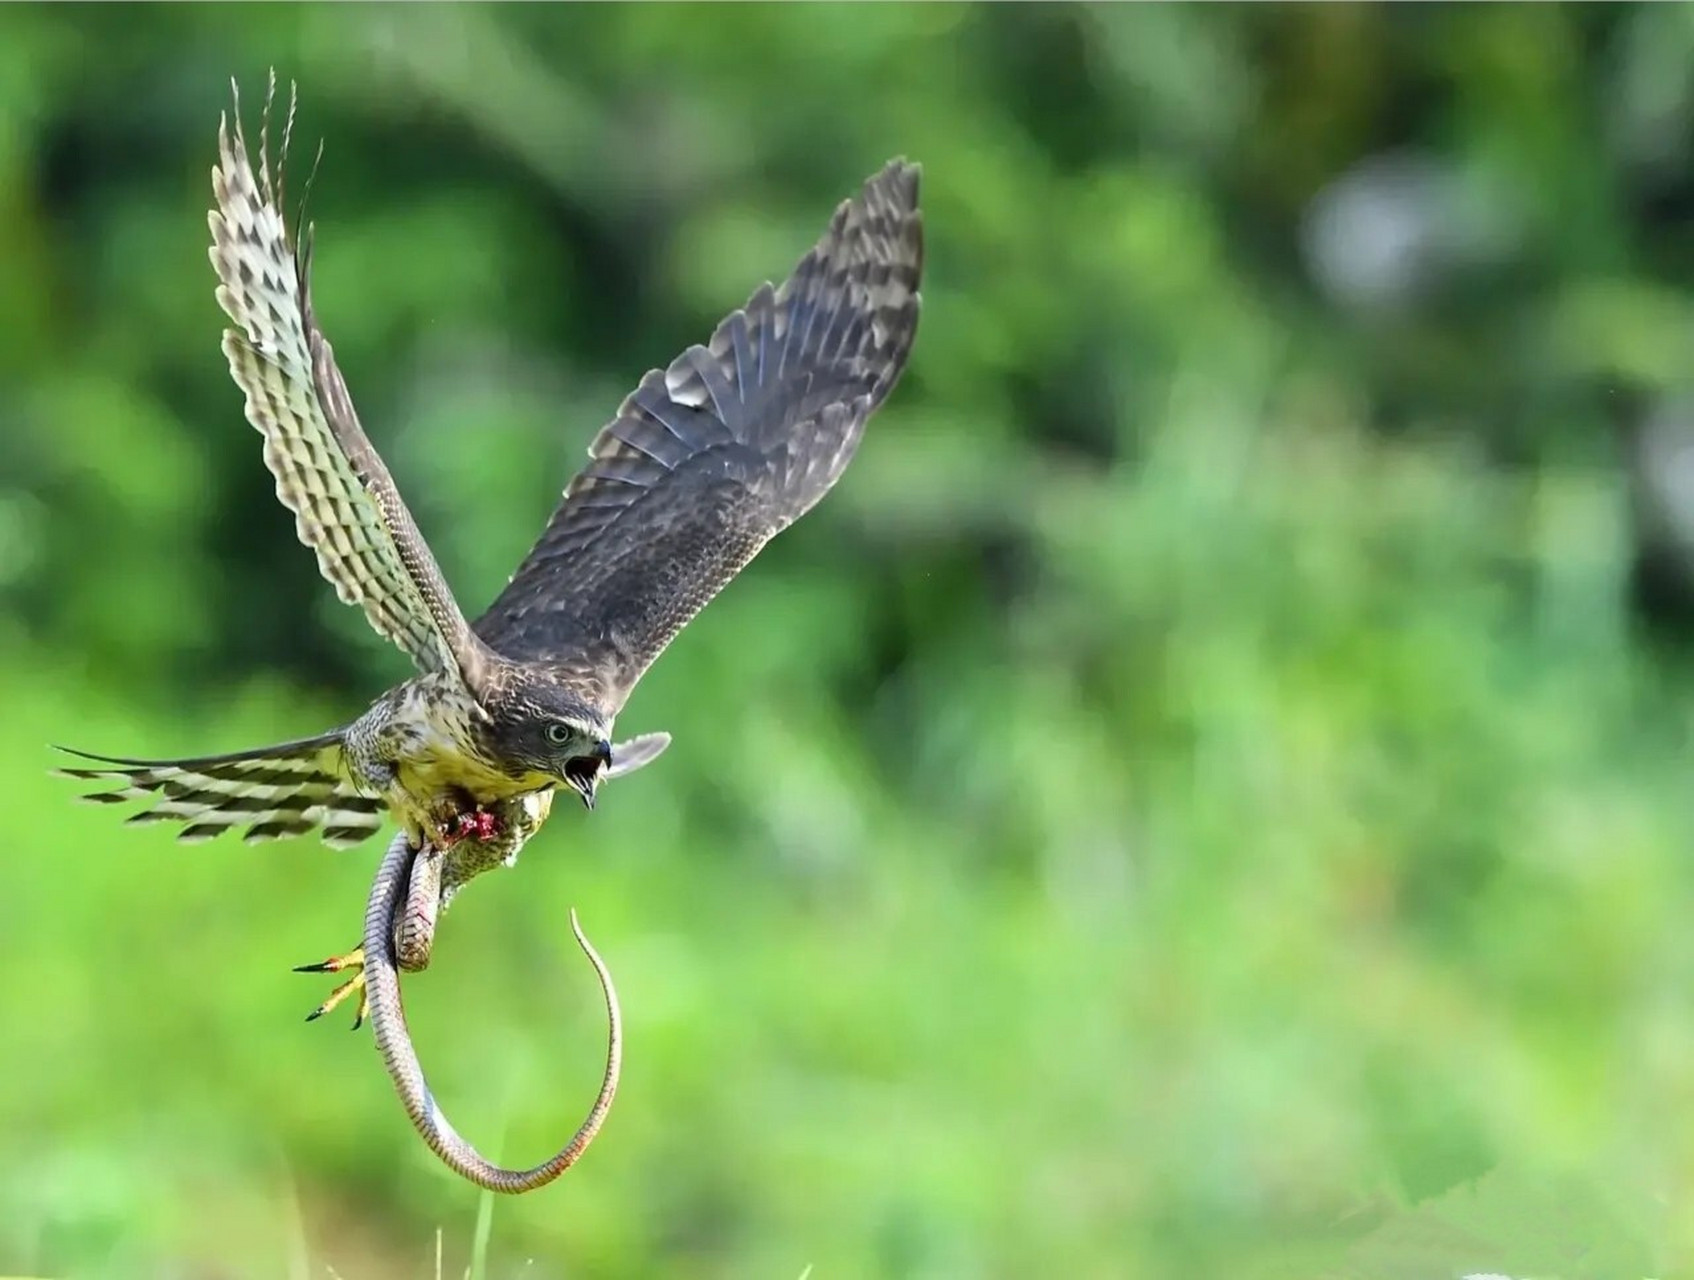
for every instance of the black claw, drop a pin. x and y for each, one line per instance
(315, 1014)
(358, 1021)
(321, 967)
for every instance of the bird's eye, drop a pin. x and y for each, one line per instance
(558, 733)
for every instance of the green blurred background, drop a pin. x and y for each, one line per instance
(1207, 795)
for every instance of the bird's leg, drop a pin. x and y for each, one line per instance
(414, 938)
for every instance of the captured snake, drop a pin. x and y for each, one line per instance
(404, 899)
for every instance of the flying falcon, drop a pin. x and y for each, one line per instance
(704, 462)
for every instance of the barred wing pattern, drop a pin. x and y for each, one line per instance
(346, 506)
(285, 790)
(709, 459)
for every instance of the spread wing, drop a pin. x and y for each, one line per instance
(709, 459)
(346, 506)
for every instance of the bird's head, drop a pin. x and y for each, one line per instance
(542, 728)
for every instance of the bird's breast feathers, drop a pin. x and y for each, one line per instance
(420, 748)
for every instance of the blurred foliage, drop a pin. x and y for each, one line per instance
(1206, 796)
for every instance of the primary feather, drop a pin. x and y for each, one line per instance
(710, 458)
(346, 506)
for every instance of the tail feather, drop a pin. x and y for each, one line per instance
(284, 790)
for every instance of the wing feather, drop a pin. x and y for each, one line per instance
(711, 457)
(346, 506)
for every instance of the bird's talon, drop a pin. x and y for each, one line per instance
(354, 959)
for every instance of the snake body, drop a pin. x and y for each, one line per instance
(404, 881)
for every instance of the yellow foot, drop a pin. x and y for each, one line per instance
(354, 959)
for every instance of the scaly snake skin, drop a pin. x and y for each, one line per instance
(394, 1041)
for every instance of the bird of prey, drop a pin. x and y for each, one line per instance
(703, 463)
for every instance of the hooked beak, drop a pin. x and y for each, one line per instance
(583, 774)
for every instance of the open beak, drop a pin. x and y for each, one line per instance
(583, 774)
